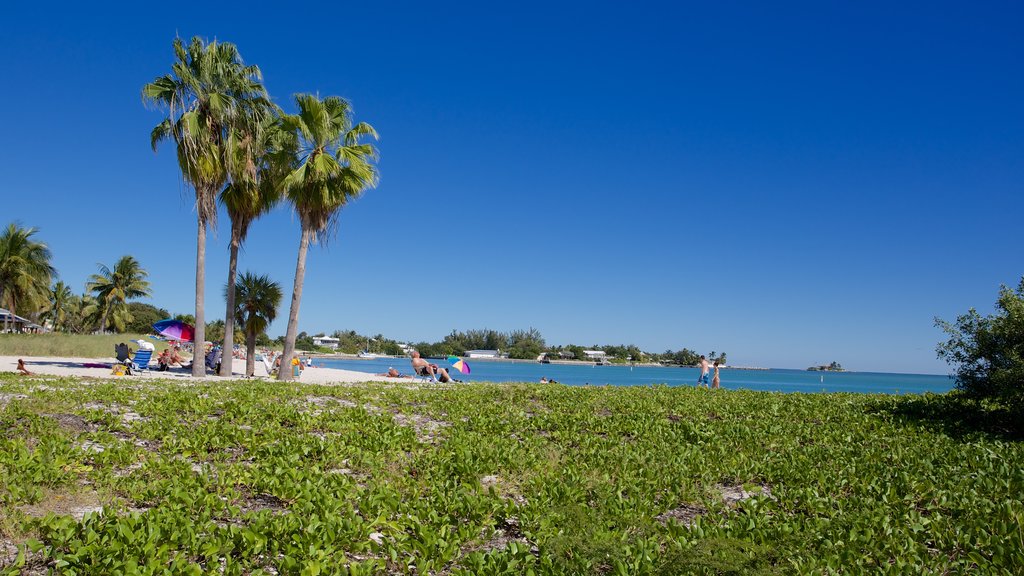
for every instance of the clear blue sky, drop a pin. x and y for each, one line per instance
(792, 184)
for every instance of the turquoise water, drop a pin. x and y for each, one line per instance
(772, 380)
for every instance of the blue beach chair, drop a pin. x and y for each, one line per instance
(141, 359)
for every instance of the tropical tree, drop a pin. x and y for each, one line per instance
(256, 307)
(333, 167)
(61, 302)
(988, 351)
(208, 93)
(261, 156)
(113, 289)
(25, 270)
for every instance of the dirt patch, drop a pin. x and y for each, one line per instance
(506, 532)
(734, 494)
(74, 504)
(686, 514)
(427, 429)
(261, 502)
(506, 490)
(71, 422)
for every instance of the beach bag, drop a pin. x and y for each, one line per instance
(120, 370)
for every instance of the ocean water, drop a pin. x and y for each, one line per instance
(781, 380)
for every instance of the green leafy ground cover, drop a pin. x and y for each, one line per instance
(153, 477)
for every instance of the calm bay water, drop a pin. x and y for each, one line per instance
(780, 380)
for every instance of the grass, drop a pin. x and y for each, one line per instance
(262, 478)
(65, 345)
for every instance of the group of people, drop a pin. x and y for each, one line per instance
(702, 380)
(169, 357)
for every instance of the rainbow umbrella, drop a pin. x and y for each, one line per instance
(175, 329)
(459, 364)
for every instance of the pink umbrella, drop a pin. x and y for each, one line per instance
(175, 329)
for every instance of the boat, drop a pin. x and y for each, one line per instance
(366, 354)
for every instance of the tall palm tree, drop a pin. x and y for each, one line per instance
(208, 92)
(257, 302)
(113, 288)
(25, 270)
(260, 156)
(60, 305)
(333, 167)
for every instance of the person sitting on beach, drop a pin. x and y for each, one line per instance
(543, 379)
(164, 360)
(22, 369)
(176, 358)
(424, 368)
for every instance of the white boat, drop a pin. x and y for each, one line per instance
(368, 355)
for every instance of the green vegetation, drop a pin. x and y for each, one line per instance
(60, 345)
(988, 351)
(262, 478)
(833, 367)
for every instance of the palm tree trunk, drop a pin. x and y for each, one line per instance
(250, 353)
(285, 373)
(103, 318)
(198, 361)
(229, 316)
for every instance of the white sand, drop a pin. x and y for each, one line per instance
(76, 367)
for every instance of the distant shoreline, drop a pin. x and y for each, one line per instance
(346, 356)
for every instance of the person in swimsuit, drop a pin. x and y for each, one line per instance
(424, 368)
(716, 382)
(702, 380)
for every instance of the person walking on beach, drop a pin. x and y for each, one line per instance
(716, 382)
(702, 380)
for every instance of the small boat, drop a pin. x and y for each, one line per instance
(368, 355)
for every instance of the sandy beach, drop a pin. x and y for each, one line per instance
(57, 366)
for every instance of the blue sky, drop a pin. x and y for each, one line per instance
(792, 184)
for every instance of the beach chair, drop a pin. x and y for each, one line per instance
(141, 360)
(417, 377)
(213, 360)
(121, 353)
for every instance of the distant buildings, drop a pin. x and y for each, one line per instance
(326, 342)
(483, 354)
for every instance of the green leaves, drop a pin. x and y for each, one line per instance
(249, 478)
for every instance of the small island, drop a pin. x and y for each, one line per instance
(833, 367)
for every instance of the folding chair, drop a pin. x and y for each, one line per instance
(141, 359)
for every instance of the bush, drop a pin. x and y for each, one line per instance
(988, 351)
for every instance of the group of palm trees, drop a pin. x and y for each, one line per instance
(26, 273)
(231, 139)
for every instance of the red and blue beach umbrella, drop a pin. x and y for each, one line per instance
(175, 330)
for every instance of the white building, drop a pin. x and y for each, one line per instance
(595, 354)
(482, 354)
(326, 342)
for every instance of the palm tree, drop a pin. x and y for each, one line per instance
(208, 93)
(113, 288)
(61, 303)
(25, 269)
(257, 300)
(333, 167)
(261, 156)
